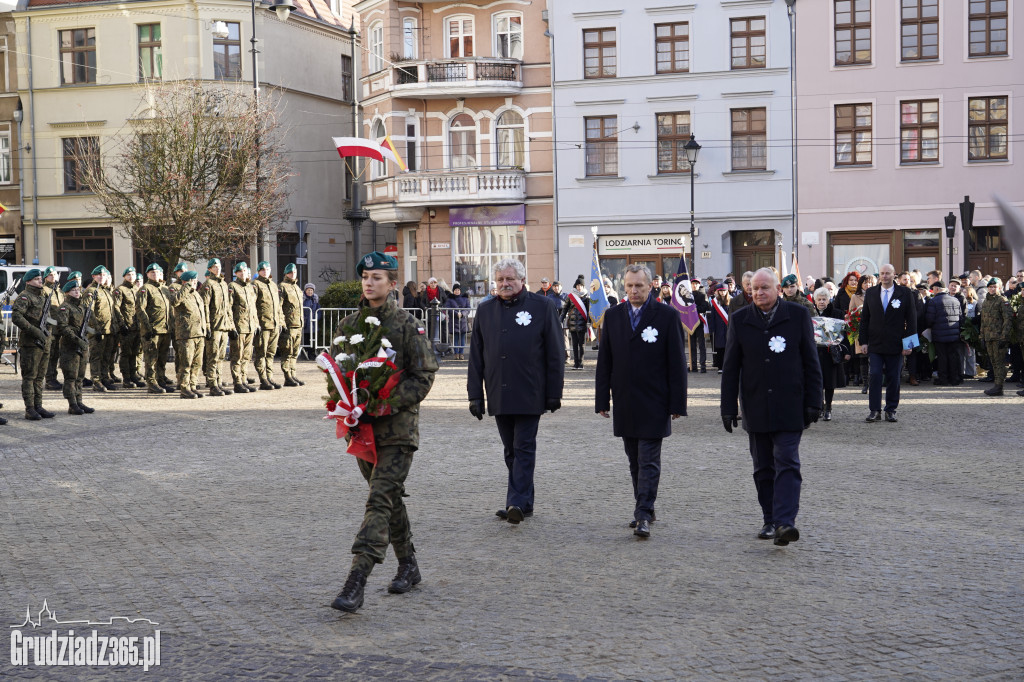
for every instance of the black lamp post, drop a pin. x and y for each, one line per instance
(950, 231)
(691, 149)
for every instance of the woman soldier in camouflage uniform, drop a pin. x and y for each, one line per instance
(397, 436)
(74, 348)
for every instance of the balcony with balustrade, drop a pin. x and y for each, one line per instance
(402, 198)
(457, 78)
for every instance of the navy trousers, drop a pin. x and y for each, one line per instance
(645, 468)
(777, 477)
(519, 436)
(890, 366)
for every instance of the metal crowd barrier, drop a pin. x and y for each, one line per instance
(442, 325)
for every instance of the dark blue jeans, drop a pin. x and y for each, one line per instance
(890, 366)
(519, 436)
(645, 469)
(777, 474)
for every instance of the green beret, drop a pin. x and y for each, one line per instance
(50, 270)
(290, 268)
(213, 261)
(99, 270)
(181, 266)
(994, 280)
(32, 274)
(189, 275)
(75, 275)
(264, 265)
(240, 266)
(127, 270)
(376, 261)
(72, 284)
(788, 279)
(154, 266)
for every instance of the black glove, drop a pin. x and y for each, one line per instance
(232, 334)
(729, 421)
(552, 404)
(811, 414)
(82, 343)
(476, 408)
(36, 333)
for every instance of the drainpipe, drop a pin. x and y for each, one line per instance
(554, 148)
(32, 141)
(356, 215)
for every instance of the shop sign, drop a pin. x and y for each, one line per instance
(471, 216)
(641, 243)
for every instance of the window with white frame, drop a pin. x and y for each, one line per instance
(511, 140)
(409, 38)
(336, 7)
(508, 35)
(376, 47)
(459, 33)
(462, 141)
(5, 157)
(378, 169)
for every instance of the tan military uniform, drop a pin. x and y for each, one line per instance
(103, 341)
(246, 321)
(216, 296)
(124, 299)
(190, 329)
(291, 306)
(271, 319)
(153, 311)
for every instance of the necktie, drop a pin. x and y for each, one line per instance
(885, 299)
(635, 313)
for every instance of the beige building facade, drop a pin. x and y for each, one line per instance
(11, 238)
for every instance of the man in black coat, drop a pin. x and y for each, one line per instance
(888, 316)
(771, 366)
(517, 349)
(642, 364)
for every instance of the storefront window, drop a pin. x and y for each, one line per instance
(478, 249)
(866, 259)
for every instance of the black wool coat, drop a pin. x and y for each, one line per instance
(647, 380)
(517, 350)
(883, 330)
(772, 371)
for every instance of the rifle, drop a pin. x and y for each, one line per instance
(85, 328)
(45, 320)
(10, 292)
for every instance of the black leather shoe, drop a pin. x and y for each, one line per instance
(654, 517)
(408, 575)
(786, 534)
(43, 412)
(864, 391)
(351, 596)
(643, 529)
(514, 514)
(503, 515)
(826, 415)
(73, 408)
(86, 408)
(31, 414)
(891, 417)
(875, 416)
(767, 532)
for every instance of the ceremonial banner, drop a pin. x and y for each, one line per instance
(598, 298)
(682, 297)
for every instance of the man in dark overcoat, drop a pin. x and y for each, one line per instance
(641, 364)
(888, 316)
(771, 366)
(517, 349)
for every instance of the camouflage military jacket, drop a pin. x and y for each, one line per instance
(153, 309)
(56, 296)
(268, 303)
(190, 321)
(124, 299)
(27, 311)
(802, 300)
(291, 304)
(414, 356)
(243, 307)
(218, 305)
(105, 317)
(72, 312)
(996, 318)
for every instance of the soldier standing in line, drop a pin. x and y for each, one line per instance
(291, 307)
(996, 323)
(74, 351)
(51, 287)
(103, 339)
(386, 520)
(246, 322)
(29, 314)
(124, 299)
(172, 295)
(218, 311)
(153, 311)
(190, 329)
(271, 319)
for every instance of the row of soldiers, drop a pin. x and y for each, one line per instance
(74, 328)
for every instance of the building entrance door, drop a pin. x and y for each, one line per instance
(752, 250)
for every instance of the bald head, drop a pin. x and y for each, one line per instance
(886, 274)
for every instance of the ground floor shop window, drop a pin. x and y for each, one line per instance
(865, 259)
(478, 249)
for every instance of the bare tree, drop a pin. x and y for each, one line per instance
(197, 172)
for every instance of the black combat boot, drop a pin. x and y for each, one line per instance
(43, 412)
(266, 386)
(250, 381)
(53, 385)
(108, 384)
(215, 391)
(273, 384)
(2, 421)
(97, 386)
(995, 391)
(73, 408)
(407, 576)
(241, 388)
(31, 414)
(298, 381)
(85, 408)
(153, 388)
(351, 596)
(288, 381)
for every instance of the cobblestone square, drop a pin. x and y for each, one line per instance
(229, 522)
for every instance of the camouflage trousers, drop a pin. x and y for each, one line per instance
(241, 355)
(997, 356)
(130, 343)
(101, 356)
(51, 364)
(191, 368)
(33, 370)
(156, 350)
(73, 365)
(292, 342)
(386, 520)
(213, 355)
(264, 348)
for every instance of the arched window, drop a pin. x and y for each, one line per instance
(378, 169)
(508, 35)
(511, 151)
(376, 47)
(462, 141)
(459, 33)
(409, 38)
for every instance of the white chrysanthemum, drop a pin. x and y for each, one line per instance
(385, 343)
(338, 340)
(341, 357)
(356, 339)
(649, 335)
(373, 320)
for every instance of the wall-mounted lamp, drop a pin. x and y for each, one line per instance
(283, 9)
(432, 213)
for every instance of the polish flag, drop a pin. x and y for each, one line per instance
(357, 146)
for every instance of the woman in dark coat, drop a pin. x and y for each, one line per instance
(310, 300)
(457, 310)
(576, 323)
(718, 323)
(829, 369)
(410, 297)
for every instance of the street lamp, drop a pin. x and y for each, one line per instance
(791, 13)
(950, 231)
(691, 148)
(283, 9)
